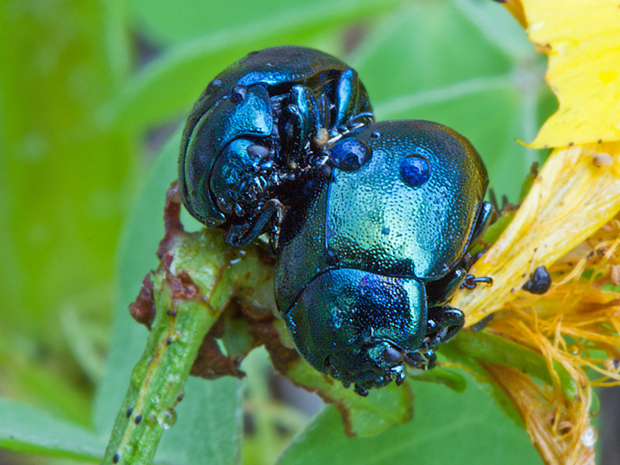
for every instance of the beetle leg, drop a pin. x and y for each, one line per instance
(276, 224)
(470, 282)
(240, 235)
(446, 286)
(351, 108)
(346, 97)
(482, 323)
(399, 373)
(431, 358)
(478, 255)
(441, 324)
(508, 207)
(301, 125)
(360, 391)
(484, 218)
(421, 360)
(456, 279)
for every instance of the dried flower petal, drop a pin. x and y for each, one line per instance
(541, 422)
(570, 223)
(569, 201)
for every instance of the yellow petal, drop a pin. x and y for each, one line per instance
(546, 432)
(582, 39)
(571, 198)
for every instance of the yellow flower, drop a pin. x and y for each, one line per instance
(570, 223)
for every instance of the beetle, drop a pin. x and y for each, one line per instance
(539, 282)
(256, 128)
(369, 261)
(371, 223)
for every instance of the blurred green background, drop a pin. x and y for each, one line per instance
(90, 90)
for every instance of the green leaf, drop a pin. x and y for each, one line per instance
(447, 428)
(363, 416)
(465, 64)
(62, 186)
(209, 425)
(170, 83)
(28, 429)
(208, 420)
(170, 21)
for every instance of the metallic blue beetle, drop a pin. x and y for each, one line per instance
(368, 262)
(257, 128)
(371, 223)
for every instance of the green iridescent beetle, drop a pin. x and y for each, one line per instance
(371, 223)
(369, 261)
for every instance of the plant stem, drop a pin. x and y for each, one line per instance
(157, 380)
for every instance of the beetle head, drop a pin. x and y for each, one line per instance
(359, 327)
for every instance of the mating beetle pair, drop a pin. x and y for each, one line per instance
(371, 223)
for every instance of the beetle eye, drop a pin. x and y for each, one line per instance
(237, 94)
(415, 170)
(392, 354)
(350, 154)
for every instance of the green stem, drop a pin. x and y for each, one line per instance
(490, 348)
(266, 434)
(158, 379)
(198, 276)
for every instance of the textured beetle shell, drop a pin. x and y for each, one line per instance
(340, 308)
(377, 223)
(215, 120)
(270, 67)
(371, 221)
(199, 153)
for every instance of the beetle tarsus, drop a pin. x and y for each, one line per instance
(442, 323)
(360, 391)
(399, 373)
(482, 323)
(471, 281)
